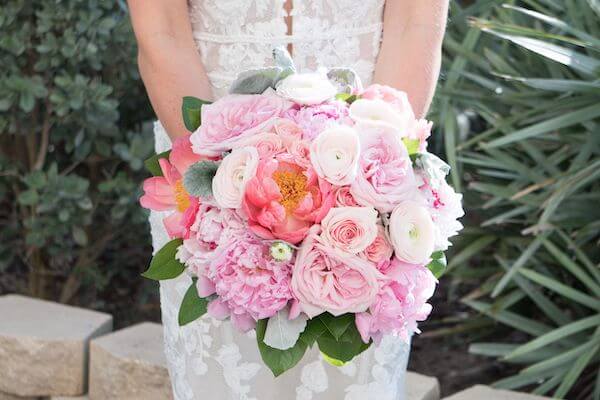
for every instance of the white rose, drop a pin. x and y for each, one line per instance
(236, 169)
(306, 89)
(351, 229)
(379, 113)
(412, 232)
(334, 154)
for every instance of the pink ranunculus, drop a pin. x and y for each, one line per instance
(232, 118)
(385, 175)
(343, 197)
(401, 303)
(380, 250)
(315, 119)
(167, 193)
(351, 229)
(284, 200)
(248, 281)
(391, 96)
(328, 279)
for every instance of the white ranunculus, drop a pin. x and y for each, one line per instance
(351, 229)
(306, 89)
(334, 154)
(236, 169)
(379, 113)
(412, 232)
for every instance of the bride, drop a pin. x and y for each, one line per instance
(197, 48)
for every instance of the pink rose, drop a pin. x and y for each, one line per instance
(396, 98)
(328, 279)
(400, 304)
(343, 197)
(385, 176)
(267, 144)
(351, 229)
(380, 250)
(233, 118)
(284, 200)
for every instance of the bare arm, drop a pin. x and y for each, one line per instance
(168, 59)
(410, 55)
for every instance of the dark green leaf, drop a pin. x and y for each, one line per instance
(336, 326)
(164, 265)
(152, 164)
(278, 361)
(192, 306)
(191, 108)
(348, 346)
(437, 266)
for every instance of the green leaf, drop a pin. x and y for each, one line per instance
(412, 145)
(336, 325)
(192, 306)
(344, 349)
(314, 329)
(152, 164)
(437, 266)
(198, 178)
(278, 361)
(164, 264)
(28, 198)
(191, 108)
(347, 97)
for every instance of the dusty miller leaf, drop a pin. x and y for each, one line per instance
(197, 180)
(345, 79)
(283, 333)
(434, 168)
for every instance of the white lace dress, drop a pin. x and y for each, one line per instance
(207, 359)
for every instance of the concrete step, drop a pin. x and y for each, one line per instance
(480, 392)
(421, 387)
(44, 346)
(130, 365)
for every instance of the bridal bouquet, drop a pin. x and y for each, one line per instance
(307, 208)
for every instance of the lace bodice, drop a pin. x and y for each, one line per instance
(236, 35)
(207, 358)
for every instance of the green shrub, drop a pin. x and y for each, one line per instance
(520, 110)
(71, 146)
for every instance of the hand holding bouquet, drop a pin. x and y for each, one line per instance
(307, 208)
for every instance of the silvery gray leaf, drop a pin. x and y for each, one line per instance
(283, 333)
(283, 59)
(345, 79)
(434, 168)
(197, 180)
(255, 81)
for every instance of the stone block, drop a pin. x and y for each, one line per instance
(130, 365)
(44, 346)
(480, 392)
(421, 387)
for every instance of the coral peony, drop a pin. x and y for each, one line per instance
(166, 193)
(232, 118)
(328, 279)
(284, 200)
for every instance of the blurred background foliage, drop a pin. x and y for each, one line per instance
(518, 118)
(72, 142)
(519, 111)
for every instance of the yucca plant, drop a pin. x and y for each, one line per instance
(519, 104)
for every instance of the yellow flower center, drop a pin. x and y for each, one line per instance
(292, 186)
(182, 198)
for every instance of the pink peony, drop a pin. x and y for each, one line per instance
(445, 207)
(249, 283)
(315, 119)
(385, 175)
(267, 144)
(328, 279)
(394, 97)
(233, 118)
(284, 200)
(166, 193)
(380, 250)
(400, 304)
(420, 130)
